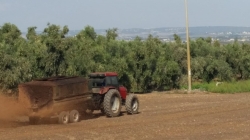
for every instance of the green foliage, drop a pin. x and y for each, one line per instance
(111, 34)
(9, 33)
(88, 33)
(143, 65)
(177, 39)
(57, 45)
(14, 66)
(224, 87)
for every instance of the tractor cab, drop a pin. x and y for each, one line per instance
(102, 82)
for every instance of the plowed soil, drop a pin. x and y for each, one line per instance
(162, 116)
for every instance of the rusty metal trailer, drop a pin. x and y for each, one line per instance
(65, 98)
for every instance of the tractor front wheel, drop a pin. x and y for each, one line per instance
(132, 104)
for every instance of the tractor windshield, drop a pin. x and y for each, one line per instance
(97, 82)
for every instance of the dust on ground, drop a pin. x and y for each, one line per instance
(199, 116)
(10, 110)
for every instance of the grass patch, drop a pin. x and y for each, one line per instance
(224, 87)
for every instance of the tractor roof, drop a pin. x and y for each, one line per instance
(103, 74)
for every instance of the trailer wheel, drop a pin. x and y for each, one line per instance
(112, 103)
(63, 117)
(74, 116)
(33, 120)
(132, 104)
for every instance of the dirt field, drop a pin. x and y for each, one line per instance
(162, 116)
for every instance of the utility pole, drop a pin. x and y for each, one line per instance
(188, 49)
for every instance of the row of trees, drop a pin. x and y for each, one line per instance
(142, 64)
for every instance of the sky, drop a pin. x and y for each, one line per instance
(123, 14)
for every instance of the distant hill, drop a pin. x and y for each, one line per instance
(223, 33)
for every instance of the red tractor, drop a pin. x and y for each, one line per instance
(108, 96)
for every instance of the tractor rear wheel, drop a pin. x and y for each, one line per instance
(132, 104)
(112, 103)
